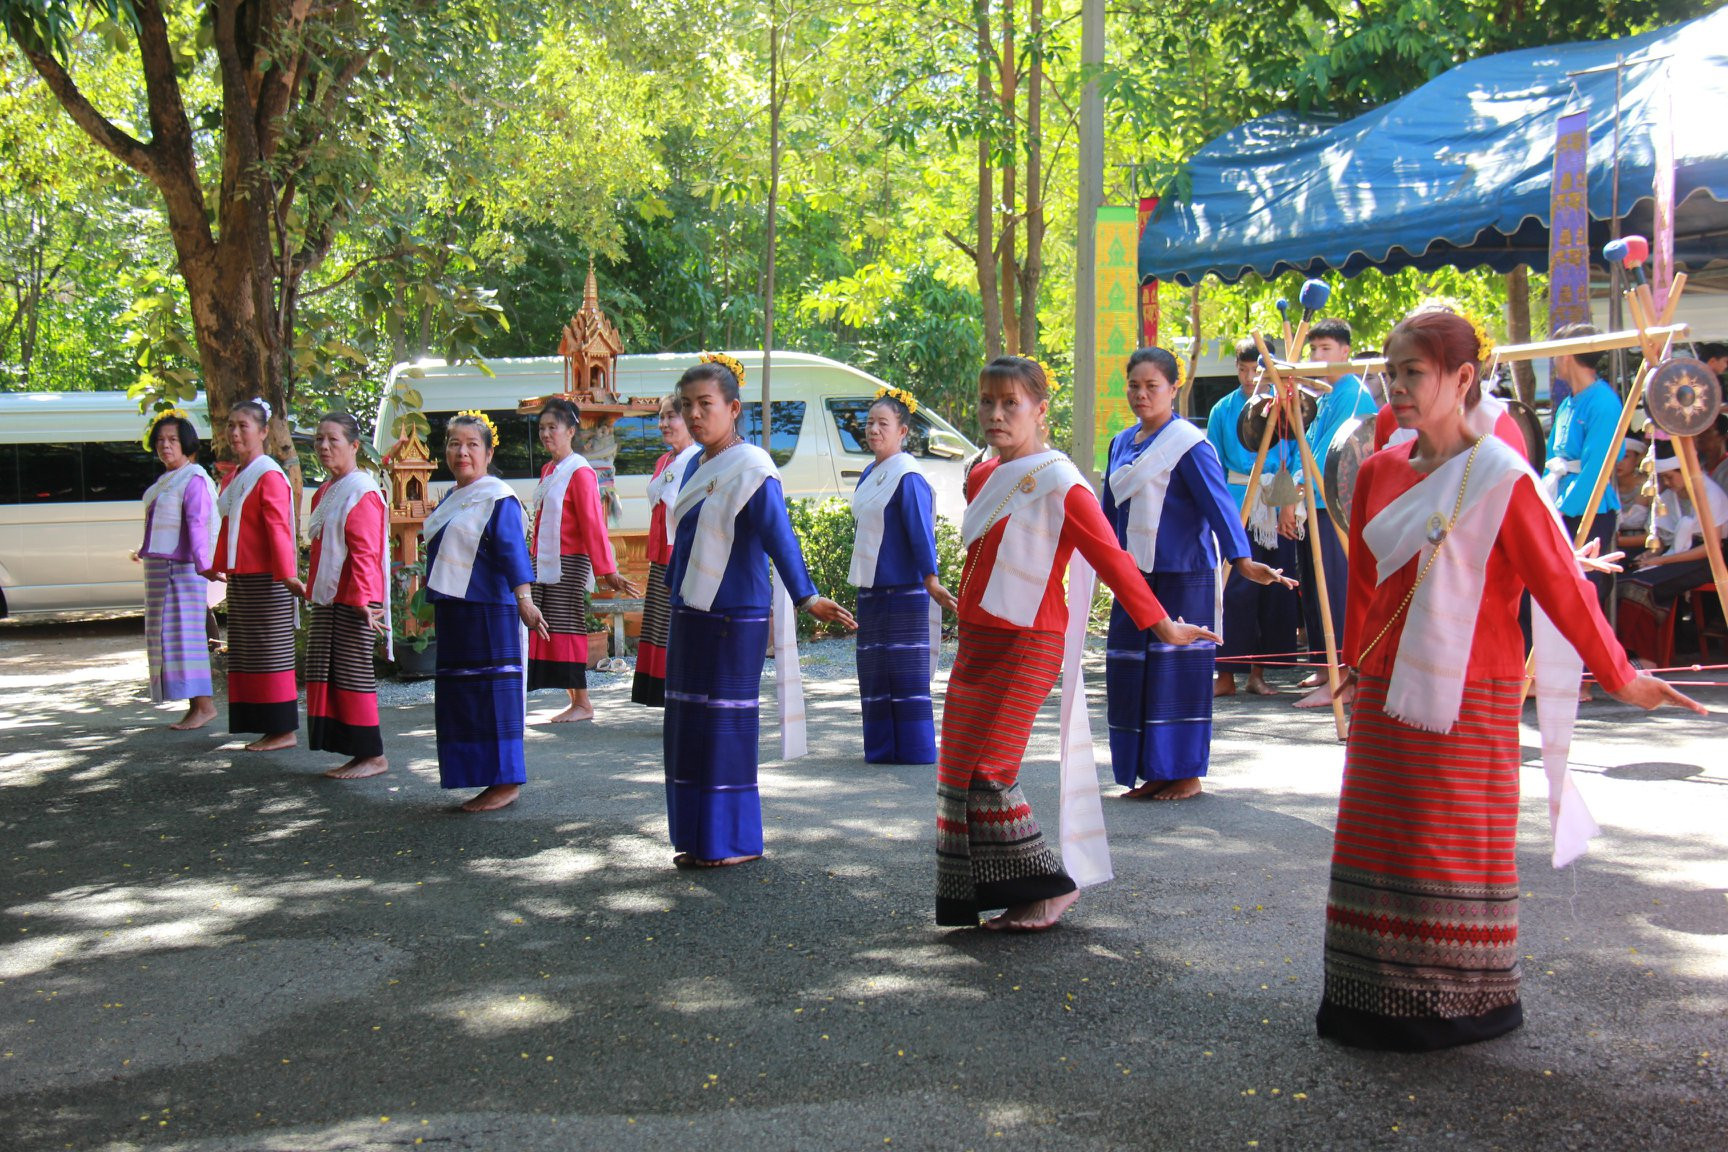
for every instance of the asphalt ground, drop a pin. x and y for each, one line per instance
(206, 949)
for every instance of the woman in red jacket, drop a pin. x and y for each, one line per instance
(1031, 508)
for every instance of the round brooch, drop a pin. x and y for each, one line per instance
(1436, 528)
(1029, 484)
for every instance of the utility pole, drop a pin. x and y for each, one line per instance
(1086, 242)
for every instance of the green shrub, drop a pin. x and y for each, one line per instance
(825, 533)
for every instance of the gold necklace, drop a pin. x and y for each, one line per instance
(1438, 533)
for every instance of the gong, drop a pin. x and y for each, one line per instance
(1251, 425)
(1683, 396)
(1353, 444)
(1530, 424)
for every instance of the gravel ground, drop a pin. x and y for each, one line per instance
(203, 949)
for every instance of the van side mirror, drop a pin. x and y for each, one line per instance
(946, 445)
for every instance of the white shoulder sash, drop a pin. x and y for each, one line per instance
(663, 488)
(461, 518)
(1427, 686)
(1140, 486)
(721, 486)
(1029, 494)
(232, 500)
(548, 517)
(870, 509)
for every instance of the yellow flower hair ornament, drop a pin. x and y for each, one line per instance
(727, 362)
(899, 394)
(1484, 343)
(157, 418)
(1050, 380)
(476, 414)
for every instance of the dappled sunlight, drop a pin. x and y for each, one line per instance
(500, 1013)
(548, 866)
(693, 996)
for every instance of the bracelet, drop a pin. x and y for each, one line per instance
(805, 603)
(524, 597)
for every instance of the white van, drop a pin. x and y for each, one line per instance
(818, 426)
(73, 470)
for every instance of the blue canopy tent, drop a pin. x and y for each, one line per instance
(1458, 171)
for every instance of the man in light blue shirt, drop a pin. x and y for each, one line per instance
(1581, 443)
(1329, 340)
(1259, 619)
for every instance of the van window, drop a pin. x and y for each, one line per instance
(639, 444)
(49, 474)
(8, 474)
(118, 470)
(514, 457)
(850, 414)
(788, 422)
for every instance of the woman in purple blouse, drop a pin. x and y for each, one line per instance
(179, 539)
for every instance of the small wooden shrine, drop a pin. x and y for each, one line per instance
(409, 466)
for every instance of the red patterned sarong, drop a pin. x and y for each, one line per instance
(989, 851)
(1422, 912)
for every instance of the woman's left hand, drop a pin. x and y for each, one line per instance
(296, 587)
(531, 618)
(944, 598)
(1263, 573)
(615, 581)
(829, 612)
(1647, 692)
(375, 619)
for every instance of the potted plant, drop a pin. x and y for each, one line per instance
(599, 640)
(416, 637)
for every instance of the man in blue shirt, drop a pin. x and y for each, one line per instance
(1259, 619)
(1329, 340)
(1581, 443)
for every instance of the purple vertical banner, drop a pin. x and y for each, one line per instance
(1662, 271)
(1569, 232)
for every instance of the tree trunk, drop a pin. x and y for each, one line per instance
(1032, 269)
(773, 212)
(1518, 329)
(1009, 270)
(984, 253)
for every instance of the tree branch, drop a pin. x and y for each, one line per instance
(970, 251)
(121, 145)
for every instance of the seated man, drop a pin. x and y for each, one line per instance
(1647, 594)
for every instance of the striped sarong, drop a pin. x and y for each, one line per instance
(894, 675)
(989, 851)
(562, 661)
(175, 605)
(1422, 912)
(341, 686)
(713, 690)
(479, 707)
(1159, 696)
(262, 695)
(649, 685)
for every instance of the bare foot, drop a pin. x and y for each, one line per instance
(274, 742)
(1179, 790)
(1584, 693)
(685, 860)
(1225, 684)
(1038, 916)
(359, 768)
(1312, 680)
(1141, 791)
(1258, 686)
(1321, 697)
(197, 715)
(572, 714)
(496, 797)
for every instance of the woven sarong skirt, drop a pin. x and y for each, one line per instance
(1159, 696)
(713, 688)
(175, 604)
(1422, 911)
(562, 661)
(894, 675)
(989, 850)
(649, 685)
(262, 695)
(480, 707)
(341, 685)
